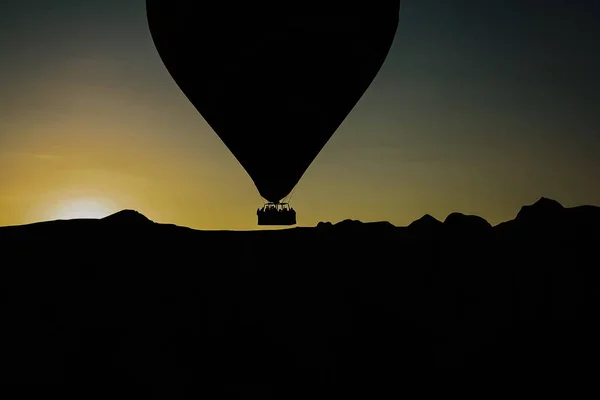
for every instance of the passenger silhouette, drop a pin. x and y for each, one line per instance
(276, 214)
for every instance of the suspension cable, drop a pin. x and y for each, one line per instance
(291, 195)
(262, 200)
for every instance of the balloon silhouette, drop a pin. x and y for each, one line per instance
(273, 82)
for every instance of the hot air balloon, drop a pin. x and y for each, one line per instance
(273, 81)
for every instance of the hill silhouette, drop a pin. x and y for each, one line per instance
(347, 308)
(127, 217)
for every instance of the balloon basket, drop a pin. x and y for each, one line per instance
(276, 214)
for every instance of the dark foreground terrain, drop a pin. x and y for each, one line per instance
(346, 309)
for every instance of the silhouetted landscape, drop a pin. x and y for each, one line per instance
(338, 307)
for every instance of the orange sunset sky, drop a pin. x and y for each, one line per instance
(478, 109)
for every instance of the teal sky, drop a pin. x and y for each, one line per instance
(481, 107)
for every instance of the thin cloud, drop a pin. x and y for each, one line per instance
(46, 157)
(27, 155)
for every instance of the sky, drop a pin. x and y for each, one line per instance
(481, 107)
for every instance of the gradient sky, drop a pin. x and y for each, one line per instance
(481, 107)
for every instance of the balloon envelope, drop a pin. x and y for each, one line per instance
(273, 82)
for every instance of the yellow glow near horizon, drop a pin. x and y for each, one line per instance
(79, 208)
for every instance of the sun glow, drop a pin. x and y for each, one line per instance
(80, 208)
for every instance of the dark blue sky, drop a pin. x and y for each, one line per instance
(481, 107)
